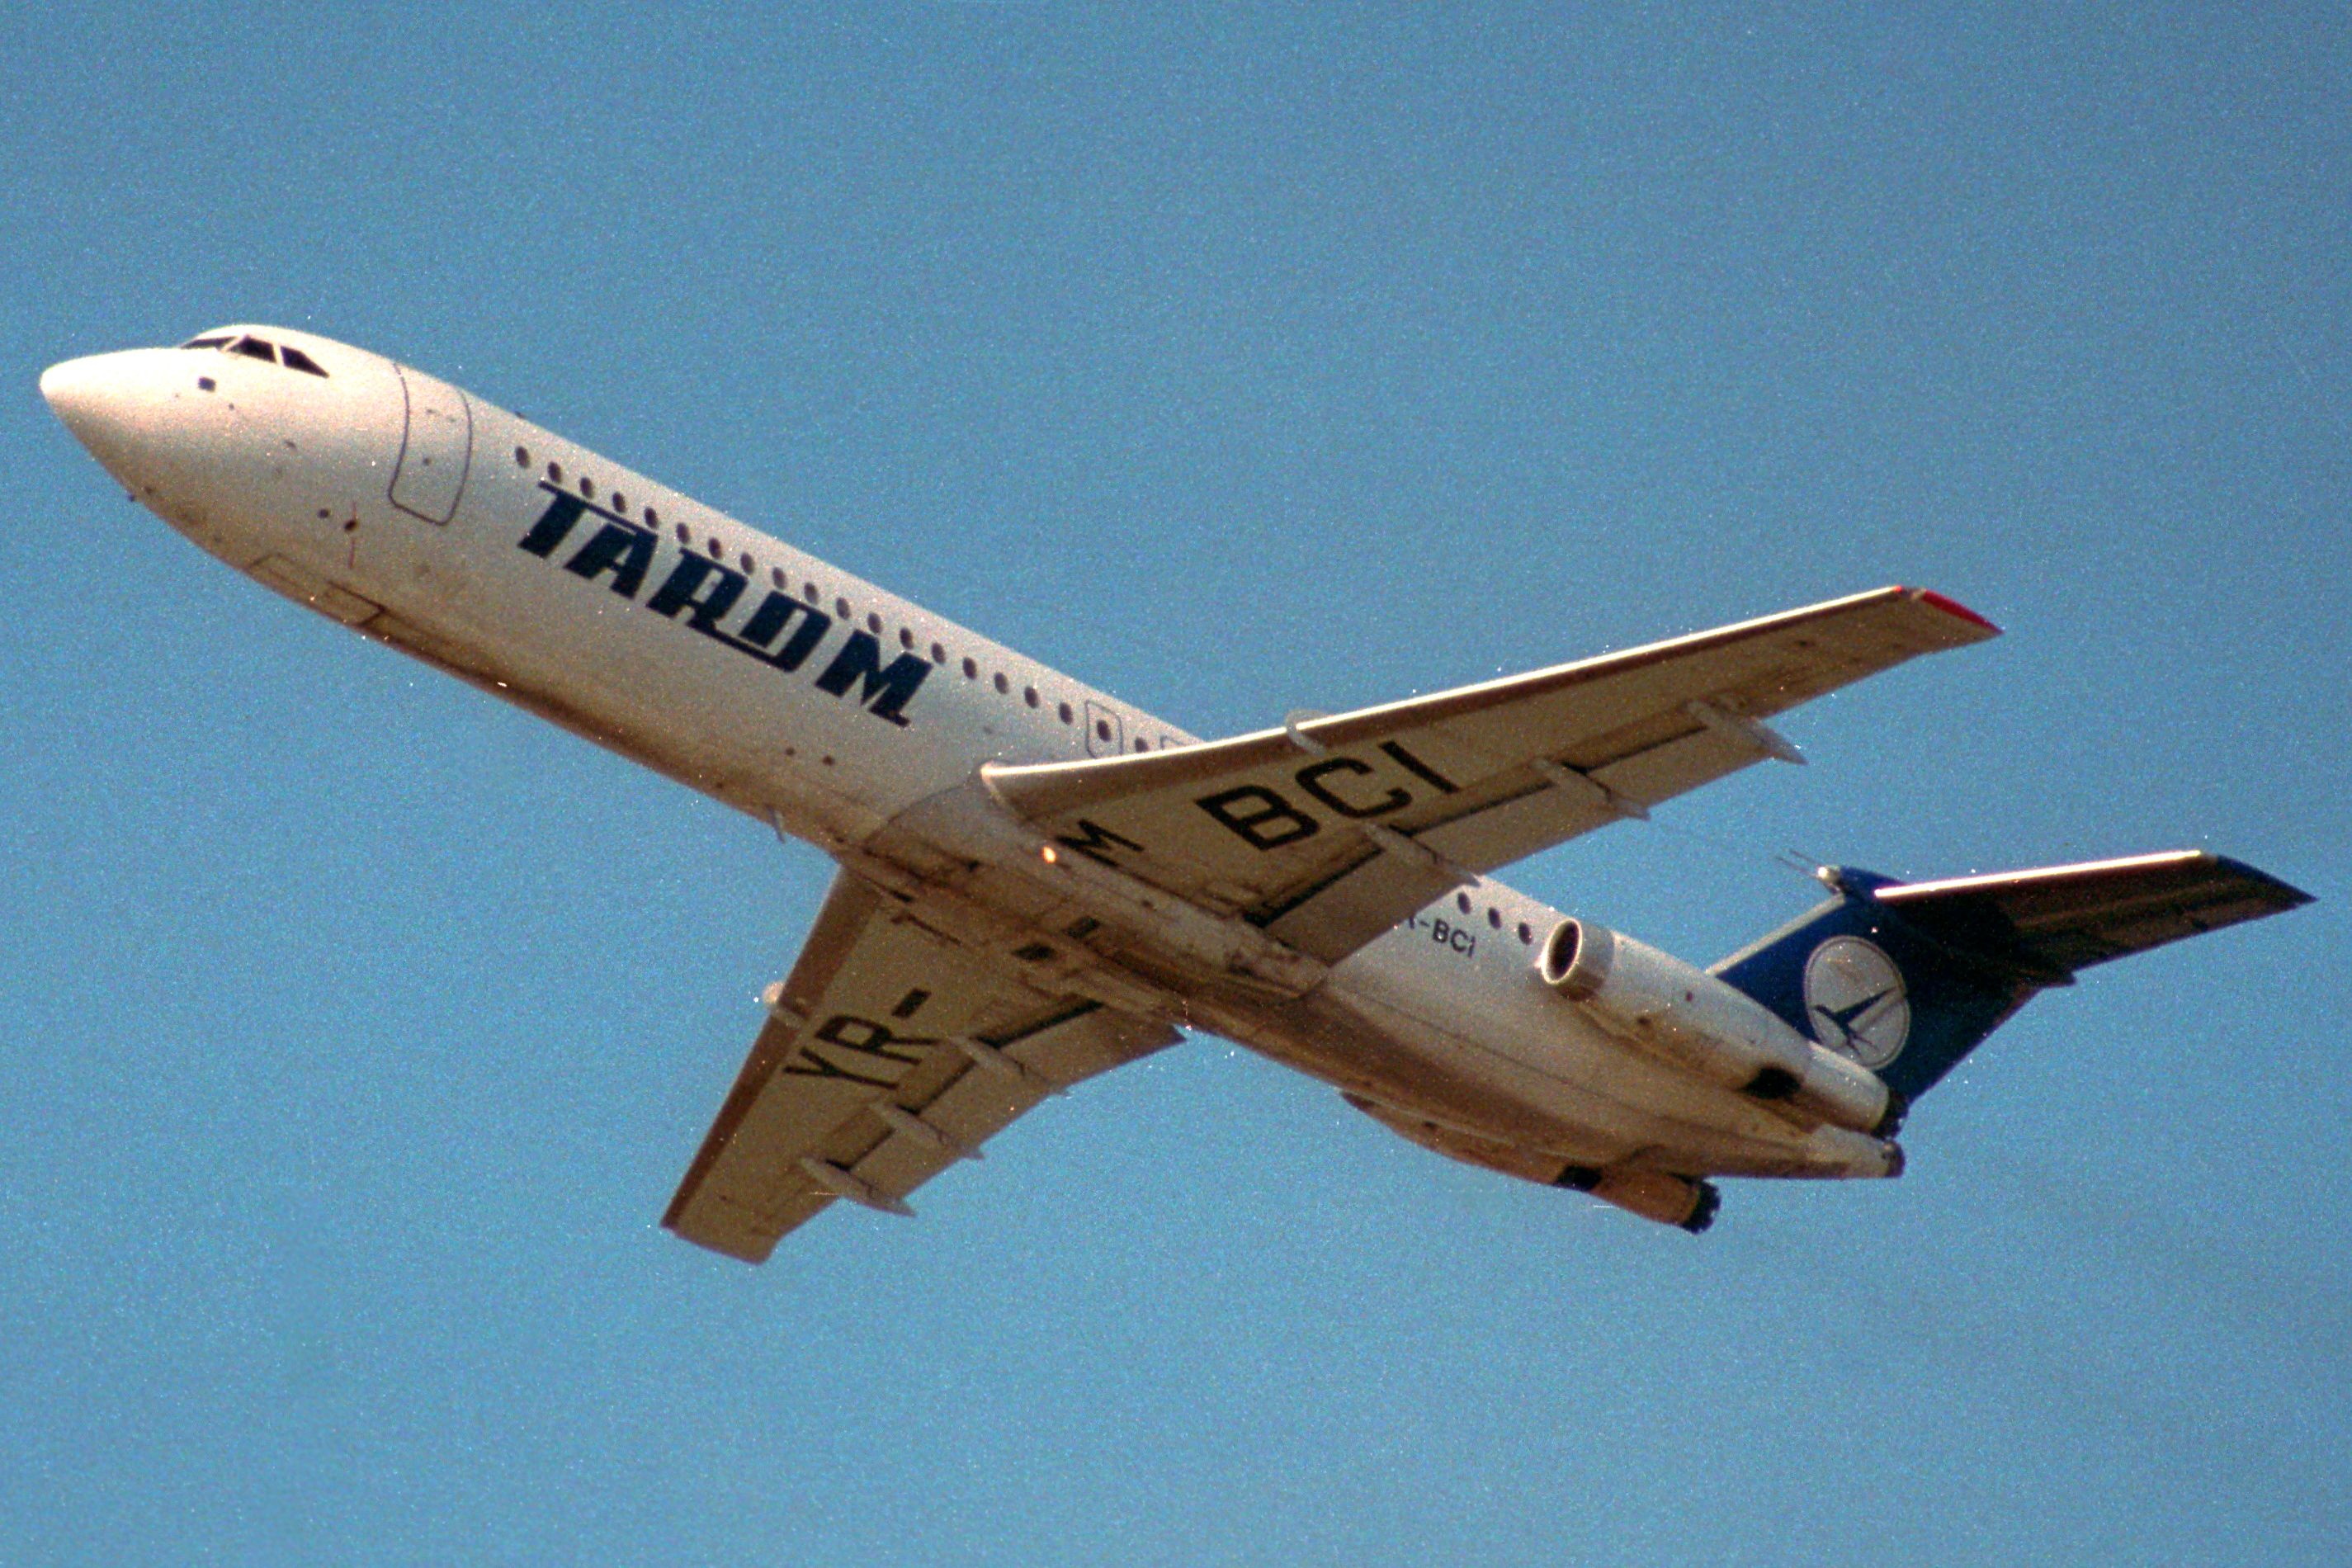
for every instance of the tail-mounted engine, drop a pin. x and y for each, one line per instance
(1704, 1027)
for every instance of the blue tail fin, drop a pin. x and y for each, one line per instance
(1907, 978)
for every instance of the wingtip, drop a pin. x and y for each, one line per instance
(1951, 606)
(2285, 894)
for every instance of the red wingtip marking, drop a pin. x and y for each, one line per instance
(1953, 608)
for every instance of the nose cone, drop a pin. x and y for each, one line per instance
(142, 413)
(101, 400)
(75, 392)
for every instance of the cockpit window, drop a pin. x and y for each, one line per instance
(261, 349)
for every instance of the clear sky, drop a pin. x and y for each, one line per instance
(358, 1028)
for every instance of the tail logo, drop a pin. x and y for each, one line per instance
(1856, 1000)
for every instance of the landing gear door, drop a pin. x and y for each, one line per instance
(436, 447)
(1105, 736)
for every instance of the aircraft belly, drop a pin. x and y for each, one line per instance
(705, 727)
(1472, 1040)
(1484, 1053)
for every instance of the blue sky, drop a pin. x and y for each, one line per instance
(358, 1028)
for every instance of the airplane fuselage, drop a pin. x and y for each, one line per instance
(842, 714)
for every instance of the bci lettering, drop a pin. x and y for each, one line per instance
(1455, 938)
(1349, 788)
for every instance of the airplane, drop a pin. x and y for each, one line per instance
(1037, 882)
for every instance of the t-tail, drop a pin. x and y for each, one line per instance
(1908, 977)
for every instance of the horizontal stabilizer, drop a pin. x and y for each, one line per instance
(2066, 918)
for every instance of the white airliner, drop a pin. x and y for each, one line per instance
(1039, 882)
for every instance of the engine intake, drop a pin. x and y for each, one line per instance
(1713, 1030)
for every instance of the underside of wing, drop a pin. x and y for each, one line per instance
(889, 1054)
(1329, 830)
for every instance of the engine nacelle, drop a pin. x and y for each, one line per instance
(1710, 1029)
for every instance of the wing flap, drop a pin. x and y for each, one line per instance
(1079, 1043)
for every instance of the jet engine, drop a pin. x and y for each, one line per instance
(1710, 1029)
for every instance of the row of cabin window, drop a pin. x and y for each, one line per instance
(1494, 919)
(717, 552)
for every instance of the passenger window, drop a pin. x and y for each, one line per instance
(718, 550)
(522, 456)
(751, 567)
(841, 608)
(297, 360)
(1002, 685)
(776, 578)
(653, 520)
(1029, 695)
(939, 653)
(873, 624)
(971, 670)
(587, 486)
(685, 534)
(1141, 744)
(905, 637)
(1462, 902)
(1494, 919)
(808, 592)
(1527, 936)
(1067, 717)
(254, 348)
(555, 472)
(620, 502)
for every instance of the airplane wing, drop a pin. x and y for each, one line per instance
(1329, 830)
(888, 1055)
